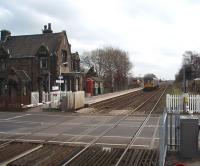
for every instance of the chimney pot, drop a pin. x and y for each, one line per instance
(47, 30)
(49, 26)
(4, 35)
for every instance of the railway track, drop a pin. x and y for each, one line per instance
(46, 155)
(140, 129)
(111, 103)
(92, 154)
(82, 154)
(101, 157)
(125, 102)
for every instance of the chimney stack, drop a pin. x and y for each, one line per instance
(49, 26)
(45, 30)
(45, 27)
(4, 35)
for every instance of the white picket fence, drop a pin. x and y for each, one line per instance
(69, 100)
(79, 99)
(34, 98)
(175, 102)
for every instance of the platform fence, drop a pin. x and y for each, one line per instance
(169, 134)
(170, 121)
(175, 102)
(163, 139)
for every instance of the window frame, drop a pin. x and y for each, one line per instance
(3, 65)
(42, 59)
(64, 56)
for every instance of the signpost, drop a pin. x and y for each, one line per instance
(60, 81)
(55, 88)
(60, 77)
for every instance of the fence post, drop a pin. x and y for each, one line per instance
(163, 138)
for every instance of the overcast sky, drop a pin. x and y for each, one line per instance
(154, 32)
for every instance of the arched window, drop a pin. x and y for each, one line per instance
(43, 54)
(64, 56)
(3, 65)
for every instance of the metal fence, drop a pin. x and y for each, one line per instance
(170, 121)
(163, 138)
(169, 134)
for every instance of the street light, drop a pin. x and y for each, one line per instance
(60, 77)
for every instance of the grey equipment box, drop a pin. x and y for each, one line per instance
(189, 130)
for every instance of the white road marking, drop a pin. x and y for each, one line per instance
(109, 144)
(93, 136)
(20, 155)
(76, 143)
(44, 134)
(17, 117)
(14, 121)
(14, 133)
(146, 146)
(146, 138)
(75, 116)
(154, 134)
(70, 122)
(30, 140)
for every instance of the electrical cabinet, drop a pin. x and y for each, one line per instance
(189, 130)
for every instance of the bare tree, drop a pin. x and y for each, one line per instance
(190, 65)
(112, 64)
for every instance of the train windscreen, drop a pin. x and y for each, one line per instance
(147, 79)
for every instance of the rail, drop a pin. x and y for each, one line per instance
(114, 125)
(139, 129)
(88, 145)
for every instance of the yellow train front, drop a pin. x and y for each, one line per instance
(150, 83)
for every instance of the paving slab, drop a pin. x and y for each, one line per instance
(77, 129)
(99, 98)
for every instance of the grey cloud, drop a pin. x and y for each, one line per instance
(28, 17)
(149, 8)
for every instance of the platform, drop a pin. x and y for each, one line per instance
(99, 98)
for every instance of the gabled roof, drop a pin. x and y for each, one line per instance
(28, 45)
(75, 56)
(23, 76)
(19, 75)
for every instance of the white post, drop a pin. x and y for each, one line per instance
(49, 86)
(60, 84)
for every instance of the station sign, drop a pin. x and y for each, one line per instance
(60, 81)
(60, 77)
(55, 88)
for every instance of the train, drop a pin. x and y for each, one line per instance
(150, 82)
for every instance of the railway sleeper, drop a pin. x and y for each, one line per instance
(94, 156)
(107, 159)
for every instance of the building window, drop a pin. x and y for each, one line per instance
(3, 65)
(64, 56)
(43, 63)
